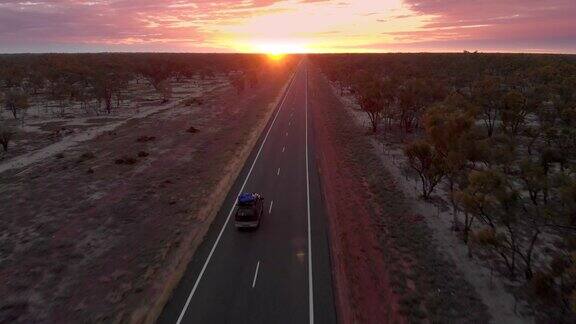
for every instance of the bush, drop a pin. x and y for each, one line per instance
(85, 156)
(193, 101)
(6, 135)
(126, 160)
(143, 139)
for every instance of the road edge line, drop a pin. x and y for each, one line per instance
(310, 277)
(256, 274)
(197, 281)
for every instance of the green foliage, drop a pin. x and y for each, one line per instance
(424, 159)
(513, 112)
(500, 130)
(447, 124)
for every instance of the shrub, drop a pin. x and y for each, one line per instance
(143, 139)
(126, 160)
(86, 156)
(6, 134)
(193, 101)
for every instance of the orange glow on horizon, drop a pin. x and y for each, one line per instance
(276, 56)
(292, 26)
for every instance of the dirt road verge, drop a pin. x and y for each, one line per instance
(181, 259)
(387, 266)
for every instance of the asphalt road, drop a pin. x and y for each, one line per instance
(281, 272)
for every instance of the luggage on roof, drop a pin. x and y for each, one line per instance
(246, 198)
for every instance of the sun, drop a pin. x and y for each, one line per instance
(276, 56)
(277, 50)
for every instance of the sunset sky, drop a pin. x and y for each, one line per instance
(288, 25)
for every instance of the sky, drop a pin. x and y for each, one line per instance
(280, 26)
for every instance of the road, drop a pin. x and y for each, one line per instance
(280, 273)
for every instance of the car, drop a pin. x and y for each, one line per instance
(250, 210)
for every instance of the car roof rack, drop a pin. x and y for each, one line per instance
(246, 198)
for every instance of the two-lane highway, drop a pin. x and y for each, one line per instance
(281, 272)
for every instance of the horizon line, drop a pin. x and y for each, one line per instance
(293, 53)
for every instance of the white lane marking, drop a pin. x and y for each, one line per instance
(232, 208)
(270, 209)
(286, 133)
(290, 123)
(278, 172)
(255, 274)
(310, 283)
(283, 149)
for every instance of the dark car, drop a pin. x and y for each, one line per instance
(250, 210)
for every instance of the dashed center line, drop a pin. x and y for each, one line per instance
(278, 172)
(270, 209)
(286, 133)
(283, 149)
(215, 245)
(255, 274)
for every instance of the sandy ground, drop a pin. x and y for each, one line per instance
(89, 234)
(389, 265)
(44, 132)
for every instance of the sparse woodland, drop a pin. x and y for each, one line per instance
(497, 132)
(100, 84)
(95, 221)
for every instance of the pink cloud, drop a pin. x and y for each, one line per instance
(115, 23)
(537, 20)
(191, 25)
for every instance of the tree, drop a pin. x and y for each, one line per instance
(491, 198)
(448, 127)
(513, 112)
(238, 82)
(107, 82)
(6, 134)
(16, 101)
(371, 103)
(36, 82)
(157, 71)
(415, 95)
(488, 95)
(427, 163)
(12, 75)
(165, 90)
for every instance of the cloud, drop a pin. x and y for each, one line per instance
(224, 25)
(111, 24)
(536, 20)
